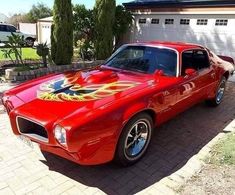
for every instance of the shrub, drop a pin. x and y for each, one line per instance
(43, 51)
(14, 47)
(62, 34)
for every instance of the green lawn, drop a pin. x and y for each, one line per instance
(224, 152)
(28, 53)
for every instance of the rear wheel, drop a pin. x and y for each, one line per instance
(219, 93)
(29, 42)
(134, 140)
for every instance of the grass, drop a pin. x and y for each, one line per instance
(28, 54)
(224, 152)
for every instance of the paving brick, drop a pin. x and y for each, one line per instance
(63, 187)
(6, 176)
(28, 188)
(47, 183)
(90, 191)
(6, 191)
(40, 191)
(15, 183)
(74, 191)
(100, 193)
(3, 185)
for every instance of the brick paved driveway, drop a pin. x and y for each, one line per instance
(26, 171)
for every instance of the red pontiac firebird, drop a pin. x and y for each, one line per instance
(110, 112)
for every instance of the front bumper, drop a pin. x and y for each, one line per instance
(60, 152)
(87, 153)
(85, 156)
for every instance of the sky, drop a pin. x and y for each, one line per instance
(10, 7)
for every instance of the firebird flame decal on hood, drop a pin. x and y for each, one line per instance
(63, 90)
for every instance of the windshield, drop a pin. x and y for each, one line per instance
(144, 59)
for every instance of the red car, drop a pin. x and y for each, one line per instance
(95, 116)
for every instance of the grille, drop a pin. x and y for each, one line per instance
(32, 129)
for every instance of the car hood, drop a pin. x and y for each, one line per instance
(61, 95)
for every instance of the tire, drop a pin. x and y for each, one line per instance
(29, 42)
(131, 145)
(219, 93)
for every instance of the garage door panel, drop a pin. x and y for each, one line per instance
(218, 38)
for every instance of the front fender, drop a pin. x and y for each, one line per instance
(95, 141)
(133, 110)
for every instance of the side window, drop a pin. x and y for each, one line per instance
(196, 59)
(11, 29)
(3, 28)
(201, 60)
(187, 61)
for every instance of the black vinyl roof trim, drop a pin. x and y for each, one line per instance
(179, 3)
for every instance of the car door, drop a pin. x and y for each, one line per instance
(193, 87)
(3, 33)
(206, 73)
(165, 100)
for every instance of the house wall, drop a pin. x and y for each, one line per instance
(28, 28)
(220, 39)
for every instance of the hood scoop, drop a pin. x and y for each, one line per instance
(100, 76)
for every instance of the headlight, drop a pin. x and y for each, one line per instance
(60, 134)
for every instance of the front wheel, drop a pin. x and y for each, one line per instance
(134, 140)
(219, 93)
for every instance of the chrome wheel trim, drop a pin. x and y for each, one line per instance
(29, 42)
(220, 92)
(137, 139)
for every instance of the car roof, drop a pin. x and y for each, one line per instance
(179, 46)
(6, 24)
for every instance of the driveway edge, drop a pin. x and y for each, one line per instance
(170, 184)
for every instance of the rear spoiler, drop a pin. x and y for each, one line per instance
(228, 59)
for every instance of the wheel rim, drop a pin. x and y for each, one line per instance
(220, 92)
(137, 139)
(29, 42)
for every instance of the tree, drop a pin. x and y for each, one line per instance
(17, 18)
(83, 22)
(104, 21)
(39, 11)
(123, 21)
(53, 44)
(84, 31)
(62, 34)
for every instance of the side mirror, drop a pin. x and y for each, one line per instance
(190, 71)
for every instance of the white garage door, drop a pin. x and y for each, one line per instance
(217, 32)
(45, 32)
